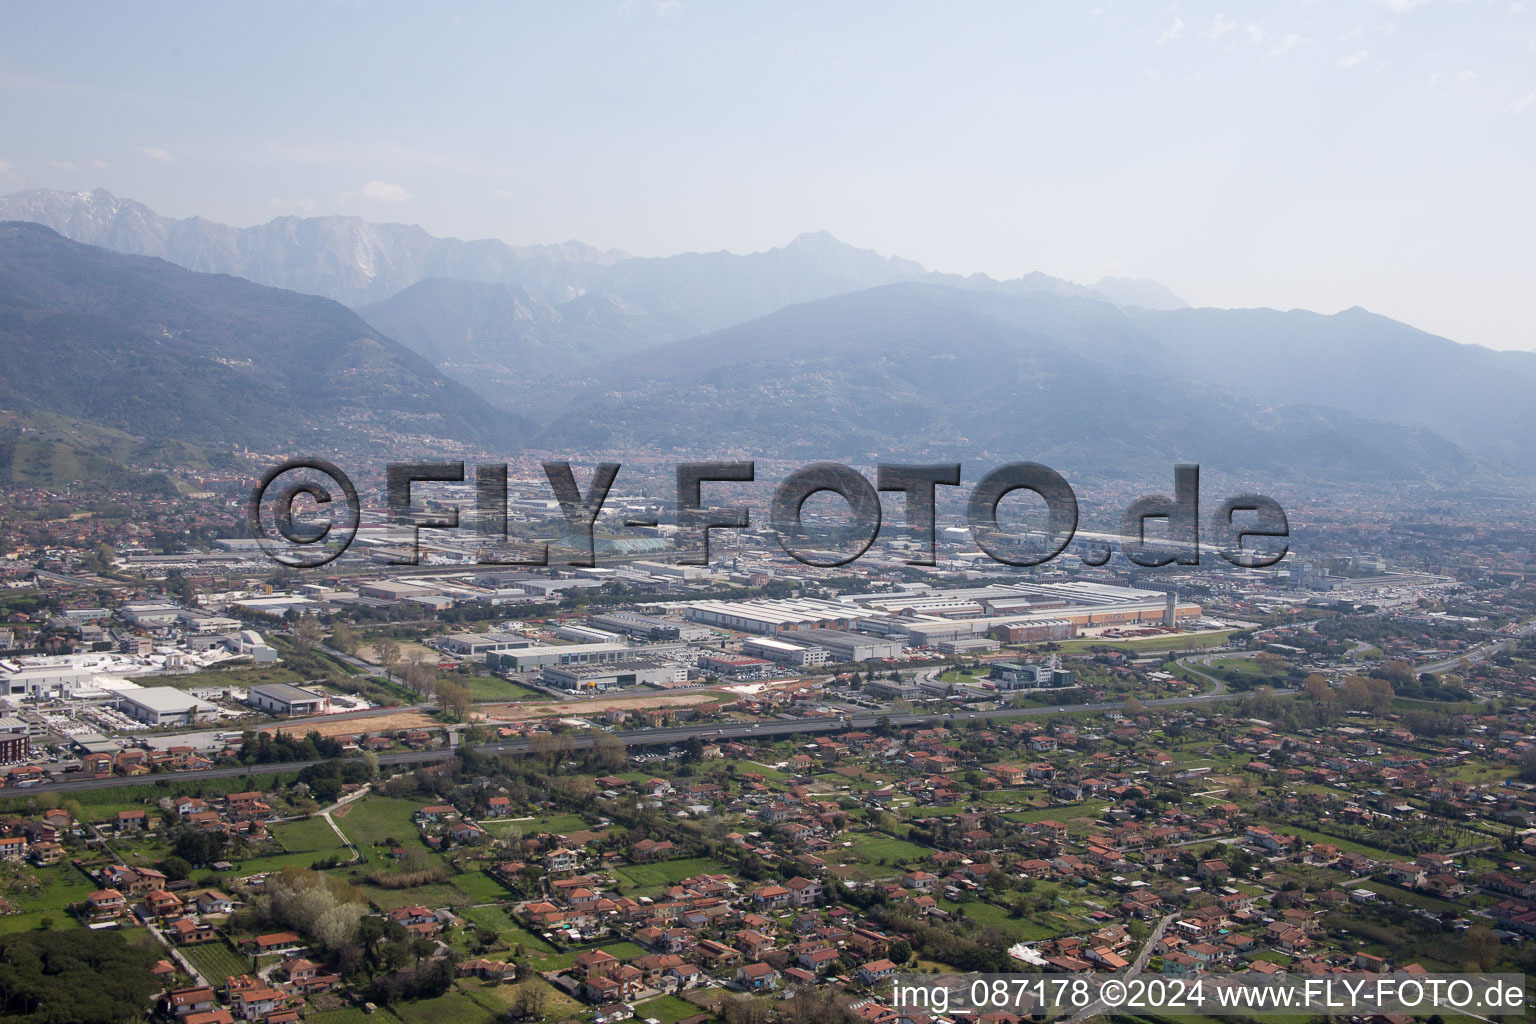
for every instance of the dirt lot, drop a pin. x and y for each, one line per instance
(595, 705)
(363, 724)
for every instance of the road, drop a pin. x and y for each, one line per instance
(357, 855)
(1139, 965)
(1481, 651)
(654, 737)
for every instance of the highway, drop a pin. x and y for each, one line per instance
(639, 738)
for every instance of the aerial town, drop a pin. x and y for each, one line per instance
(654, 791)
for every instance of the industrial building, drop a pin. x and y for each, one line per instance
(283, 699)
(736, 666)
(1014, 675)
(47, 681)
(477, 645)
(164, 705)
(15, 740)
(774, 616)
(566, 654)
(845, 647)
(649, 627)
(612, 676)
(785, 653)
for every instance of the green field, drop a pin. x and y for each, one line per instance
(667, 1009)
(479, 887)
(217, 961)
(373, 819)
(55, 889)
(667, 872)
(1172, 642)
(449, 1008)
(306, 836)
(494, 688)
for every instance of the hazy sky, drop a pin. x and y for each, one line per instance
(1320, 155)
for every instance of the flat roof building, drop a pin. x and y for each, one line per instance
(566, 654)
(284, 699)
(164, 705)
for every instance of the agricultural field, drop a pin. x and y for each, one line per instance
(665, 873)
(217, 961)
(41, 896)
(376, 820)
(306, 836)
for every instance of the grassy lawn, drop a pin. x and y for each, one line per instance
(667, 1009)
(305, 836)
(345, 1015)
(494, 688)
(217, 961)
(55, 889)
(452, 1007)
(373, 819)
(1086, 809)
(480, 887)
(1171, 642)
(1413, 899)
(1348, 846)
(874, 848)
(667, 872)
(557, 823)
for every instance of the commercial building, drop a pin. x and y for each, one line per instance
(736, 666)
(15, 740)
(785, 653)
(613, 676)
(649, 627)
(477, 645)
(164, 705)
(566, 654)
(1014, 675)
(283, 699)
(774, 616)
(47, 682)
(845, 647)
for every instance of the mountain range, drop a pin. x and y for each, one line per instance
(144, 349)
(813, 350)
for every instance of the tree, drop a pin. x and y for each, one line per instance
(1481, 947)
(344, 638)
(306, 632)
(387, 651)
(900, 951)
(530, 998)
(1318, 689)
(454, 698)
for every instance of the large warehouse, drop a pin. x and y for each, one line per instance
(165, 705)
(844, 646)
(774, 616)
(562, 654)
(613, 676)
(283, 699)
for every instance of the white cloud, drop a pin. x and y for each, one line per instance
(668, 8)
(62, 165)
(384, 192)
(5, 167)
(96, 163)
(157, 154)
(1520, 106)
(501, 193)
(1172, 32)
(1349, 60)
(1454, 79)
(1220, 27)
(1402, 6)
(1285, 45)
(1255, 34)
